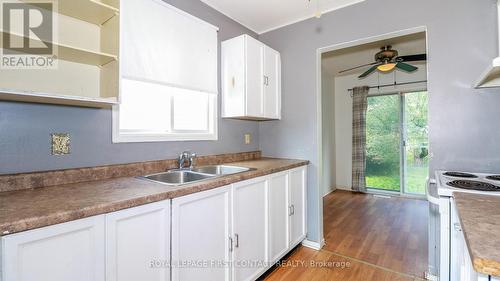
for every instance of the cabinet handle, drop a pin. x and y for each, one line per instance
(265, 80)
(230, 244)
(457, 226)
(293, 209)
(237, 237)
(290, 210)
(233, 81)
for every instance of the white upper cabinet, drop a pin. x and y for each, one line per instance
(251, 80)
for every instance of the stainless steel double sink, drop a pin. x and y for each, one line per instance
(196, 174)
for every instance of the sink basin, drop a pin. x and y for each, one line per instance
(220, 170)
(177, 177)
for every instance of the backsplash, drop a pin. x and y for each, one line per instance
(42, 179)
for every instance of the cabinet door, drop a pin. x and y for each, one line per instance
(249, 228)
(68, 251)
(138, 243)
(200, 234)
(255, 77)
(297, 187)
(279, 212)
(272, 89)
(233, 77)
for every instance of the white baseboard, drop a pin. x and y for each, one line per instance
(348, 188)
(313, 245)
(330, 191)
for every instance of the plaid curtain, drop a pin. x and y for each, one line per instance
(359, 107)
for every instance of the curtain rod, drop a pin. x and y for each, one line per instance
(392, 85)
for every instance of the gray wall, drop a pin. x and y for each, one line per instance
(25, 128)
(328, 131)
(462, 40)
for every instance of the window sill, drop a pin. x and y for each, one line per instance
(124, 138)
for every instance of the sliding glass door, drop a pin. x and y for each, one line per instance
(383, 170)
(396, 142)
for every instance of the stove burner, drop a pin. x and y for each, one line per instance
(494, 177)
(460, 175)
(474, 185)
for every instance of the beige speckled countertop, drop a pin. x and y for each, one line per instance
(33, 208)
(480, 219)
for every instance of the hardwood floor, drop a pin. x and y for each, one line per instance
(382, 238)
(316, 268)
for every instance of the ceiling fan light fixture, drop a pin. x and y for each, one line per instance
(386, 67)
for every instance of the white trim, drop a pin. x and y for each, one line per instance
(313, 245)
(374, 38)
(229, 16)
(319, 116)
(290, 22)
(309, 17)
(319, 137)
(329, 192)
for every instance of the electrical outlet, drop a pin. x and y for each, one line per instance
(60, 143)
(248, 138)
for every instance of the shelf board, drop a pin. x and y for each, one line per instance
(36, 97)
(93, 11)
(79, 55)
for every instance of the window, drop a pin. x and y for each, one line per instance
(168, 75)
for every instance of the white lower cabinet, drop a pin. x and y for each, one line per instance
(236, 232)
(68, 251)
(201, 243)
(461, 268)
(249, 222)
(279, 212)
(297, 197)
(230, 233)
(138, 243)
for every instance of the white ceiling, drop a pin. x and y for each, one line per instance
(337, 60)
(264, 15)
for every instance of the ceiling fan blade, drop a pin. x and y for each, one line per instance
(369, 71)
(419, 57)
(406, 67)
(356, 67)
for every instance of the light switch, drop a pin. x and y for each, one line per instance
(248, 138)
(60, 143)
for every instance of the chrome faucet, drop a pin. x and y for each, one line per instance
(186, 156)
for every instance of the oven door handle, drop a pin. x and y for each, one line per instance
(430, 198)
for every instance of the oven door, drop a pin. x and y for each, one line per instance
(439, 233)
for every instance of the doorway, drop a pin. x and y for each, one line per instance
(356, 225)
(397, 145)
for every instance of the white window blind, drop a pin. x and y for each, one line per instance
(168, 75)
(164, 44)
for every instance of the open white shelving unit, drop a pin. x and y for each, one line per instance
(87, 59)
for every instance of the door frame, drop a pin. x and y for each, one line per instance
(319, 113)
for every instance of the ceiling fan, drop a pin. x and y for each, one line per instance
(387, 60)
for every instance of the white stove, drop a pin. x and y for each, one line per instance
(440, 196)
(479, 183)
